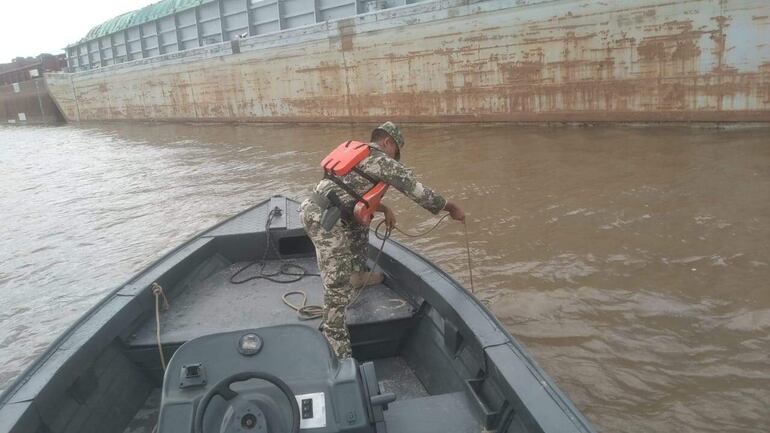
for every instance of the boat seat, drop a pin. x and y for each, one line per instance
(444, 413)
(378, 321)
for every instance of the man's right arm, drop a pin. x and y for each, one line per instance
(454, 211)
(403, 179)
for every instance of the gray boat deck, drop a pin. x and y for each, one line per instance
(214, 304)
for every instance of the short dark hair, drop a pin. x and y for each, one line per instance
(379, 134)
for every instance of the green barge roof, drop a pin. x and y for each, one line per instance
(140, 16)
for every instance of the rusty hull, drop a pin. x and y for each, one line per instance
(28, 102)
(455, 60)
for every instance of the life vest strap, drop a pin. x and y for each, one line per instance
(361, 173)
(345, 187)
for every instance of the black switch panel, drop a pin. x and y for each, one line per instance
(192, 375)
(193, 371)
(307, 408)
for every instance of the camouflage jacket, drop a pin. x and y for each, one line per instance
(383, 168)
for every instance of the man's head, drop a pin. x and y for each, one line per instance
(389, 138)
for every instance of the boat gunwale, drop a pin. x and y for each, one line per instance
(15, 386)
(513, 344)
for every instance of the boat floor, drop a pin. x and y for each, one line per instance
(394, 375)
(209, 303)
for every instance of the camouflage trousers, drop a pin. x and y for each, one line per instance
(341, 254)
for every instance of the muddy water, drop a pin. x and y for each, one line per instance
(632, 262)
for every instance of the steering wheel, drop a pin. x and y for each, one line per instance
(222, 389)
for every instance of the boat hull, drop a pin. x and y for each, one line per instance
(435, 344)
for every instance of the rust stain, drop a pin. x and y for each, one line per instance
(523, 71)
(674, 96)
(478, 38)
(323, 67)
(347, 30)
(444, 35)
(682, 26)
(685, 50)
(719, 39)
(652, 50)
(347, 42)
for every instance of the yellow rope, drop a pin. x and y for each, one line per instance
(157, 290)
(304, 311)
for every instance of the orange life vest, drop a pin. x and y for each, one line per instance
(341, 161)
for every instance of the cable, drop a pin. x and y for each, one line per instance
(284, 269)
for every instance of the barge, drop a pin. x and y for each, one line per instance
(426, 61)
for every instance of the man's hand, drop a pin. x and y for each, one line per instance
(455, 212)
(390, 217)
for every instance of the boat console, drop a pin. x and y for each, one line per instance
(280, 379)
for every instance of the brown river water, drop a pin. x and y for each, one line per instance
(633, 263)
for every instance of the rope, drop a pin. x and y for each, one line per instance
(304, 311)
(468, 250)
(413, 235)
(417, 235)
(157, 290)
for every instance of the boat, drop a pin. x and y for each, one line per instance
(235, 351)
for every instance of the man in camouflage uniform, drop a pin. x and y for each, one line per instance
(342, 251)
